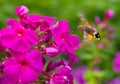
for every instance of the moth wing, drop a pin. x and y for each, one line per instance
(87, 36)
(81, 28)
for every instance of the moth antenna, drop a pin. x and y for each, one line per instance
(82, 17)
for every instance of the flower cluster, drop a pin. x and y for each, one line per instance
(106, 30)
(28, 42)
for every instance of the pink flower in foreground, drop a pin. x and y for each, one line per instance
(116, 62)
(66, 42)
(18, 38)
(24, 69)
(11, 21)
(21, 10)
(33, 21)
(2, 48)
(62, 76)
(51, 51)
(63, 38)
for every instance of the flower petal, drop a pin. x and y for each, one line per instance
(48, 19)
(60, 27)
(64, 70)
(7, 37)
(11, 21)
(35, 59)
(74, 41)
(21, 10)
(34, 18)
(28, 75)
(52, 52)
(21, 46)
(11, 68)
(31, 36)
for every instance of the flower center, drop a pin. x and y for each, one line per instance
(24, 63)
(62, 36)
(20, 32)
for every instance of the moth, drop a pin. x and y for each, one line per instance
(88, 31)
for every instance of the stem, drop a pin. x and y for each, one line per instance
(46, 74)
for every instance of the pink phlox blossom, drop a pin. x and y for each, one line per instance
(62, 76)
(23, 69)
(18, 38)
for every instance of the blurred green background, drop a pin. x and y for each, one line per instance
(67, 9)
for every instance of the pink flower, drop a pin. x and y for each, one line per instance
(11, 21)
(109, 14)
(62, 76)
(2, 48)
(78, 74)
(114, 81)
(24, 69)
(65, 41)
(100, 45)
(18, 38)
(1, 67)
(111, 29)
(97, 19)
(33, 21)
(36, 21)
(1, 79)
(116, 62)
(21, 10)
(73, 58)
(112, 36)
(51, 51)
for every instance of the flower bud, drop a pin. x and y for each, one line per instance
(21, 10)
(109, 14)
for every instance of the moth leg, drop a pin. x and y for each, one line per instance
(82, 17)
